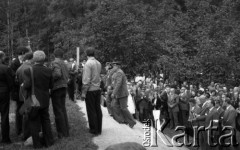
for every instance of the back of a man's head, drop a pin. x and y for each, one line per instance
(22, 50)
(58, 53)
(28, 56)
(90, 52)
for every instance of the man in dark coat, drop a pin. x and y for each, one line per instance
(16, 63)
(58, 94)
(6, 85)
(120, 93)
(229, 119)
(39, 117)
(210, 120)
(163, 106)
(23, 94)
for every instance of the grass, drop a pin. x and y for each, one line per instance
(80, 138)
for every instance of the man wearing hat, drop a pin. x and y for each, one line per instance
(120, 92)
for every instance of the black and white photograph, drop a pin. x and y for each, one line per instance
(120, 74)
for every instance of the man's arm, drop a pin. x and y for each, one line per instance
(86, 79)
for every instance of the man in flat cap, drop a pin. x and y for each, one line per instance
(120, 93)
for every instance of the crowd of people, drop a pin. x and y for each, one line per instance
(189, 105)
(31, 81)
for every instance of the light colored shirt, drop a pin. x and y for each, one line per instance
(91, 75)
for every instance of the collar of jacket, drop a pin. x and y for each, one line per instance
(91, 58)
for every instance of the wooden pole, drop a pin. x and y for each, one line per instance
(78, 57)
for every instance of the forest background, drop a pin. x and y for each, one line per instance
(192, 40)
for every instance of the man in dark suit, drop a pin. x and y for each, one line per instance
(120, 93)
(229, 119)
(6, 85)
(16, 63)
(210, 118)
(27, 63)
(200, 121)
(39, 117)
(173, 108)
(184, 104)
(220, 111)
(58, 93)
(163, 106)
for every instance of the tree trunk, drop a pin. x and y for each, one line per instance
(8, 26)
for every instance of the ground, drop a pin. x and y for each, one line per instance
(79, 138)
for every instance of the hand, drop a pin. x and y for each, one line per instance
(83, 96)
(35, 102)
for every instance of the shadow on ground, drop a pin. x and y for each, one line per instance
(80, 138)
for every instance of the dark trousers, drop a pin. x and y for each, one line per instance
(125, 112)
(41, 120)
(173, 118)
(19, 118)
(184, 117)
(26, 128)
(71, 89)
(94, 111)
(108, 103)
(4, 110)
(116, 111)
(59, 110)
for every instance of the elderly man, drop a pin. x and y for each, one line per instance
(6, 85)
(91, 91)
(39, 117)
(120, 93)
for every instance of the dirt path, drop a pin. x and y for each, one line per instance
(113, 133)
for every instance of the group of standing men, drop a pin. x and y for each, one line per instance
(28, 74)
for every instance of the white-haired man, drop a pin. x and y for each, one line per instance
(39, 117)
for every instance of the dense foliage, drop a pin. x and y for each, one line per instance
(191, 40)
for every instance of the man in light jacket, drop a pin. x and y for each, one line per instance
(91, 92)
